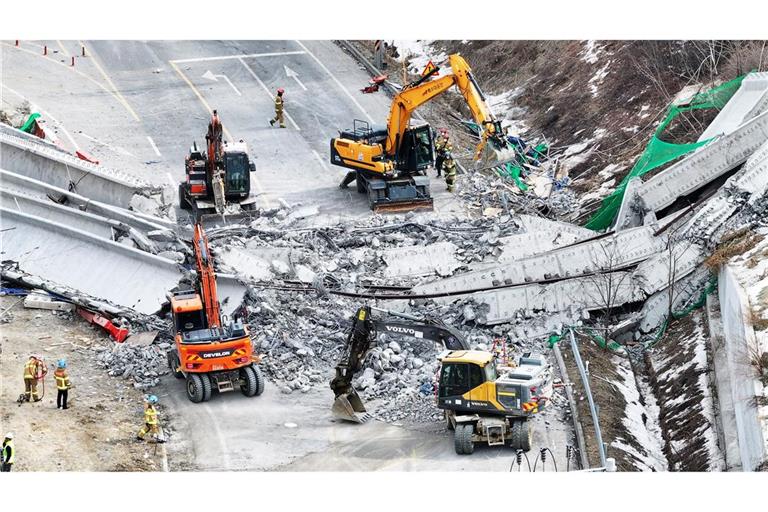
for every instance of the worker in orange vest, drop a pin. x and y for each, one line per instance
(278, 109)
(34, 370)
(62, 383)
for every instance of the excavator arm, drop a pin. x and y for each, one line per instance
(206, 277)
(423, 90)
(362, 338)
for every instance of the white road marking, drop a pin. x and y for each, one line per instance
(230, 57)
(341, 86)
(170, 179)
(292, 74)
(210, 76)
(266, 89)
(154, 146)
(115, 149)
(320, 159)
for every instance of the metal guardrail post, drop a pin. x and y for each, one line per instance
(592, 409)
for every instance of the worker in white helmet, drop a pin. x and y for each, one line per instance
(8, 453)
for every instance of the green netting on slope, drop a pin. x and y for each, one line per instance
(658, 152)
(29, 125)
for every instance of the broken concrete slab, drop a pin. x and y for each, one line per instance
(23, 154)
(80, 260)
(37, 300)
(438, 258)
(750, 100)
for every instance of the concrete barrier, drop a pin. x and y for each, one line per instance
(736, 377)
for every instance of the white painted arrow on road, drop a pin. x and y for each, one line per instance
(292, 74)
(210, 76)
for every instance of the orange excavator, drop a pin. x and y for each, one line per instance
(211, 351)
(217, 177)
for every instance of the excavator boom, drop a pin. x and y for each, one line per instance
(362, 338)
(206, 277)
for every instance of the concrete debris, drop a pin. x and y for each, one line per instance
(37, 300)
(143, 364)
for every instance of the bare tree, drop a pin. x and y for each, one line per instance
(605, 287)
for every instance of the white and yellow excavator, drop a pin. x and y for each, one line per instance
(389, 163)
(482, 403)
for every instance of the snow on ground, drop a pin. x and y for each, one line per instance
(683, 372)
(640, 423)
(502, 105)
(597, 79)
(751, 269)
(591, 52)
(420, 52)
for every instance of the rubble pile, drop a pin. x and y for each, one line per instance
(342, 255)
(144, 364)
(490, 195)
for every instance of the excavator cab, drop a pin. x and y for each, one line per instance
(416, 151)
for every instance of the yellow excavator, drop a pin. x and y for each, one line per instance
(389, 163)
(482, 403)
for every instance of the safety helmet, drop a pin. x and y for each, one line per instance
(61, 363)
(9, 435)
(152, 399)
(280, 90)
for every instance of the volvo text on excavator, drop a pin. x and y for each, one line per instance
(218, 176)
(389, 163)
(482, 402)
(211, 351)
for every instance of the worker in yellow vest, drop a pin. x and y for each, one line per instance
(151, 424)
(443, 147)
(9, 453)
(62, 383)
(34, 370)
(278, 109)
(450, 172)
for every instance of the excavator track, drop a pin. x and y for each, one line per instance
(404, 206)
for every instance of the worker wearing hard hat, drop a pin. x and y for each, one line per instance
(151, 424)
(450, 171)
(278, 109)
(62, 383)
(9, 453)
(33, 371)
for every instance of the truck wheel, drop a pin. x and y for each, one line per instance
(527, 435)
(259, 380)
(206, 380)
(174, 363)
(521, 435)
(183, 203)
(248, 381)
(462, 439)
(195, 391)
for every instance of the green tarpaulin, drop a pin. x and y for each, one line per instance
(30, 124)
(658, 152)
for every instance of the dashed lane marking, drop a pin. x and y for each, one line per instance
(341, 86)
(154, 146)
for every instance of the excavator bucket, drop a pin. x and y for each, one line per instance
(349, 407)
